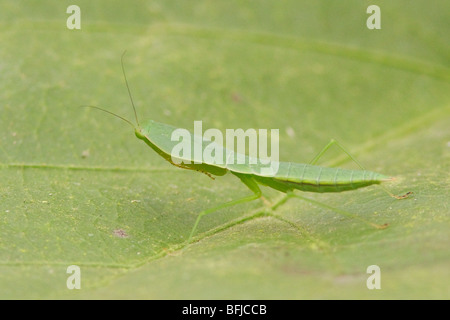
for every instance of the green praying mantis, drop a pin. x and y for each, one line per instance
(290, 176)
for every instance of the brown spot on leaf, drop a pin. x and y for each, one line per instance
(120, 233)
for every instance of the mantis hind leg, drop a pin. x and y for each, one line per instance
(249, 182)
(343, 149)
(330, 144)
(291, 194)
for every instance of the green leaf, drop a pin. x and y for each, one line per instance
(77, 187)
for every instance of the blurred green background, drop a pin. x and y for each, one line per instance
(73, 180)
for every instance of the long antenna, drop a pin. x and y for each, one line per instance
(129, 92)
(116, 115)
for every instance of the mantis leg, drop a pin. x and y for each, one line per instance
(340, 211)
(249, 182)
(332, 142)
